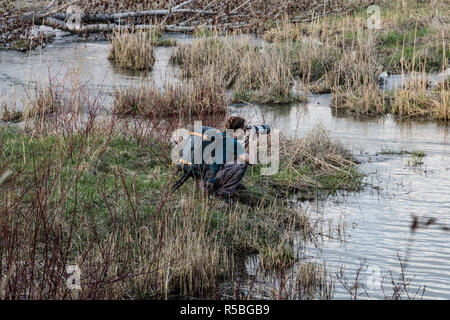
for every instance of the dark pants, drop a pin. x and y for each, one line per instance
(227, 179)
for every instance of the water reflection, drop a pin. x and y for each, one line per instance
(382, 216)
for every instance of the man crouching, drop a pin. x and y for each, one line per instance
(230, 161)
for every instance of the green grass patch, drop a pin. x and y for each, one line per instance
(419, 58)
(416, 156)
(402, 152)
(96, 166)
(395, 38)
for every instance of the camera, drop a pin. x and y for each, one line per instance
(260, 129)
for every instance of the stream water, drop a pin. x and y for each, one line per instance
(377, 220)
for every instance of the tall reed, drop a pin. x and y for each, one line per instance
(194, 97)
(132, 50)
(254, 73)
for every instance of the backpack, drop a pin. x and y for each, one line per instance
(191, 161)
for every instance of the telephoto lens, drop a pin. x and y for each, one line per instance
(260, 129)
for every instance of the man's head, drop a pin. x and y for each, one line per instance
(237, 124)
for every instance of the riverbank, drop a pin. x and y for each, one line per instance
(96, 196)
(19, 18)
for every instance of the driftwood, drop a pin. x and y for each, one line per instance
(94, 23)
(122, 16)
(36, 16)
(184, 16)
(93, 28)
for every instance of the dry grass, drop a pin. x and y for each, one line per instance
(355, 79)
(97, 198)
(44, 101)
(316, 150)
(312, 280)
(304, 281)
(260, 75)
(10, 112)
(444, 84)
(314, 61)
(327, 60)
(338, 54)
(312, 165)
(132, 50)
(220, 57)
(364, 101)
(265, 77)
(194, 97)
(417, 102)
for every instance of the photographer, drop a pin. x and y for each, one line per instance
(230, 166)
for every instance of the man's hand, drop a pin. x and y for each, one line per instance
(244, 157)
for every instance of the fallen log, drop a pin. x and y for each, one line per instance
(182, 4)
(39, 15)
(194, 14)
(93, 28)
(101, 17)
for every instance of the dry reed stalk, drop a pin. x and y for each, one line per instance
(216, 55)
(198, 96)
(132, 50)
(316, 150)
(416, 101)
(261, 75)
(314, 162)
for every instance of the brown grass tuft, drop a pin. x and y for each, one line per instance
(132, 50)
(256, 74)
(316, 150)
(313, 164)
(193, 97)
